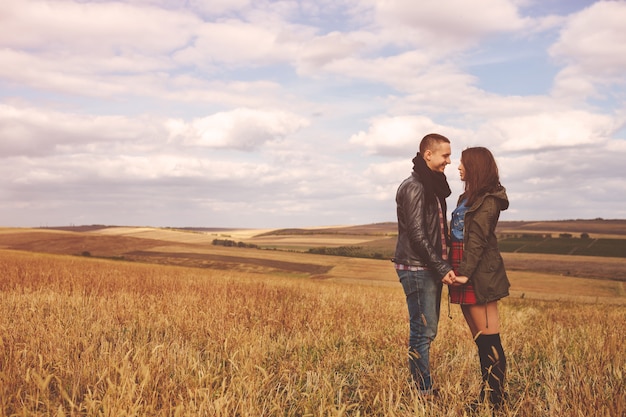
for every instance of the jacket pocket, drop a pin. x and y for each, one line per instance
(491, 277)
(491, 262)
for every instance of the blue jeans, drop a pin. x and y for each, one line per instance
(423, 298)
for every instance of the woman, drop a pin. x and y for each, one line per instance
(477, 261)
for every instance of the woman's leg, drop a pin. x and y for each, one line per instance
(484, 323)
(482, 318)
(469, 320)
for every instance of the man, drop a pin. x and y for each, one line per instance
(421, 250)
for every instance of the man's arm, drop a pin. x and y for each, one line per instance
(414, 206)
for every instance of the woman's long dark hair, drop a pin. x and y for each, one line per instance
(481, 173)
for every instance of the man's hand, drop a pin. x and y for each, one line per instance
(449, 278)
(460, 280)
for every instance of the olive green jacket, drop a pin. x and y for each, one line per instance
(482, 262)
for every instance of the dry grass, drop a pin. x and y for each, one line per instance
(82, 336)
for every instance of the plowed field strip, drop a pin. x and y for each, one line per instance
(270, 263)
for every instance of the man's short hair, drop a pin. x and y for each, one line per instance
(430, 141)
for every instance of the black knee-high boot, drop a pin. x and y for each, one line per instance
(493, 368)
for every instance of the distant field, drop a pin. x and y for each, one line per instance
(596, 228)
(614, 247)
(195, 249)
(599, 238)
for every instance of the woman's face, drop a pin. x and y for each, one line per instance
(462, 171)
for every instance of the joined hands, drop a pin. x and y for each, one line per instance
(452, 279)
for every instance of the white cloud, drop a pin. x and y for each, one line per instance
(322, 50)
(593, 46)
(578, 182)
(30, 131)
(236, 43)
(399, 136)
(111, 27)
(242, 129)
(215, 7)
(446, 22)
(264, 113)
(553, 130)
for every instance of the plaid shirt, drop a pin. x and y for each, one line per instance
(401, 267)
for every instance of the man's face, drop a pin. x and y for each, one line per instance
(439, 157)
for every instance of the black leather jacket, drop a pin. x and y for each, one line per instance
(419, 230)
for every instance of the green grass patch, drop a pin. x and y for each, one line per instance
(384, 248)
(564, 246)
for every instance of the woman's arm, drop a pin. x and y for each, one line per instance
(477, 232)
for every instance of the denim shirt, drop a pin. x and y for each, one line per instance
(458, 222)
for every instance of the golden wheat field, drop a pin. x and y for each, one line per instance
(93, 337)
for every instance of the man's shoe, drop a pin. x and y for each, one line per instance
(429, 394)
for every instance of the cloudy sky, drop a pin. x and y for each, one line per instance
(293, 113)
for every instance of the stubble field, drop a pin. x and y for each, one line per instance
(287, 334)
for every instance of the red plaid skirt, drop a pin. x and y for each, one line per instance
(462, 294)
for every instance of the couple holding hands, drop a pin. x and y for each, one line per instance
(463, 255)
